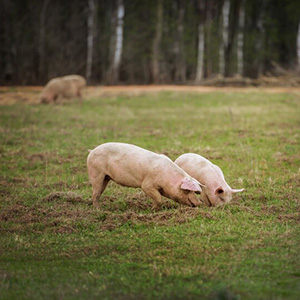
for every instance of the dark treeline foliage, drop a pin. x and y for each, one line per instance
(146, 41)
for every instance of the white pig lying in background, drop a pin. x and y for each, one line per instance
(132, 166)
(216, 190)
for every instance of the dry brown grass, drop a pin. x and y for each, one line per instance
(63, 211)
(29, 94)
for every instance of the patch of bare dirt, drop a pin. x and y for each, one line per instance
(48, 156)
(281, 212)
(286, 158)
(64, 196)
(65, 212)
(11, 95)
(37, 157)
(290, 217)
(162, 218)
(29, 94)
(133, 90)
(6, 184)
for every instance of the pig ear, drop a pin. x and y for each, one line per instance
(219, 191)
(190, 185)
(237, 191)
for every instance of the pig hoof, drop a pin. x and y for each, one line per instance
(96, 205)
(156, 207)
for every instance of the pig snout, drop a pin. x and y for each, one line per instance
(205, 198)
(216, 198)
(193, 200)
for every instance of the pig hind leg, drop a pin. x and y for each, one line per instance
(79, 96)
(99, 184)
(78, 93)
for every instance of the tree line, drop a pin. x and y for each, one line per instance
(146, 41)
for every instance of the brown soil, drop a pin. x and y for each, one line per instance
(29, 94)
(65, 212)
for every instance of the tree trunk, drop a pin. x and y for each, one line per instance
(200, 59)
(201, 41)
(41, 49)
(208, 33)
(180, 68)
(156, 43)
(225, 34)
(118, 45)
(298, 47)
(240, 41)
(90, 39)
(6, 64)
(260, 41)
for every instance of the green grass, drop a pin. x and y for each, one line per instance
(58, 246)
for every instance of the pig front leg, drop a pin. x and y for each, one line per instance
(154, 194)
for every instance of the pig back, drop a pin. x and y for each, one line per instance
(126, 164)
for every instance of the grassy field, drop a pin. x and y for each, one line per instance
(55, 245)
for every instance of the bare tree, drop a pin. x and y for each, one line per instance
(208, 37)
(201, 41)
(298, 47)
(156, 43)
(240, 40)
(260, 40)
(180, 68)
(118, 43)
(6, 64)
(90, 39)
(41, 47)
(225, 34)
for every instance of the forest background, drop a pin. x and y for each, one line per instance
(147, 41)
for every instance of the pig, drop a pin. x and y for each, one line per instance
(69, 86)
(216, 191)
(132, 166)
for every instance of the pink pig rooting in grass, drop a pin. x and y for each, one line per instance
(69, 86)
(216, 191)
(132, 166)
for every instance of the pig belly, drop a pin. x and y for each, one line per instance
(122, 176)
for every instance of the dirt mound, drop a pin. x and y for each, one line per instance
(66, 212)
(65, 196)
